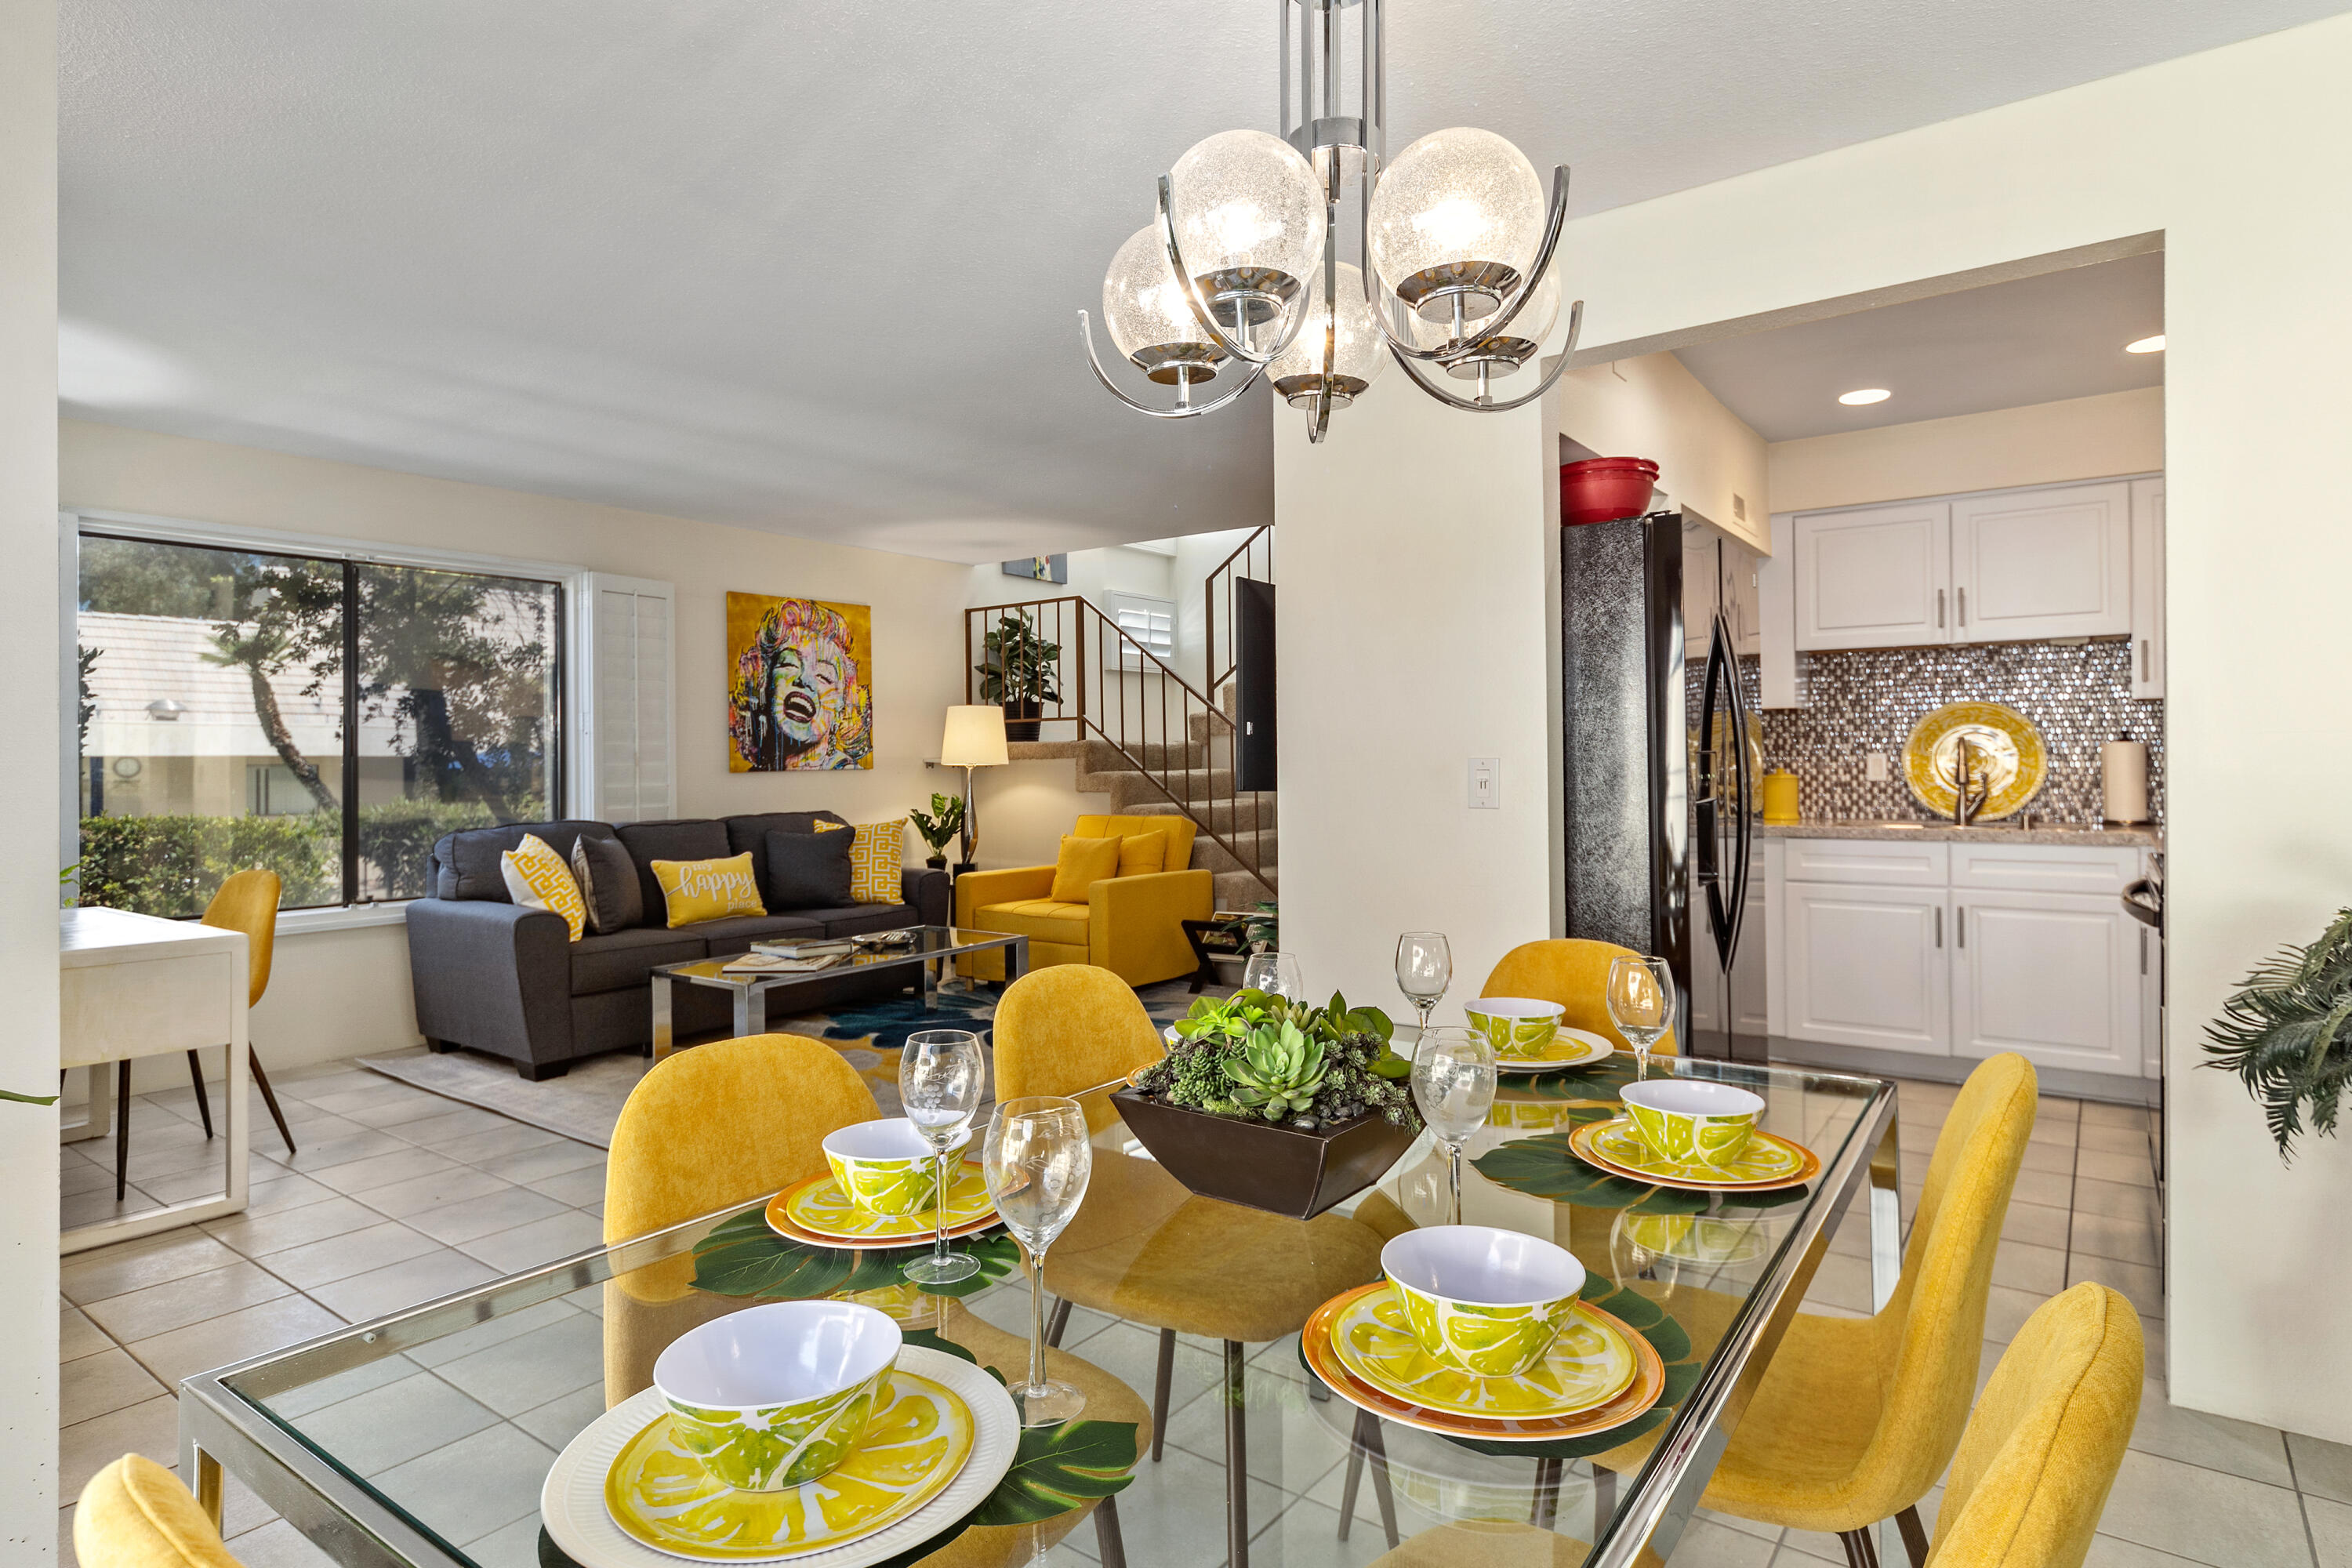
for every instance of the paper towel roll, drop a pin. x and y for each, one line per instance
(2123, 781)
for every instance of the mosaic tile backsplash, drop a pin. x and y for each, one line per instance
(1867, 699)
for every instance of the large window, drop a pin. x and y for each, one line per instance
(324, 718)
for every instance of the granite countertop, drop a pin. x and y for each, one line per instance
(2003, 831)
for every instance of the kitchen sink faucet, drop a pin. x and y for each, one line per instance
(1971, 788)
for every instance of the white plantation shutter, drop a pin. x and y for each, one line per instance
(1150, 622)
(630, 749)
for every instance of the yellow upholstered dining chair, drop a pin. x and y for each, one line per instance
(135, 1514)
(1574, 973)
(1857, 1418)
(1073, 1027)
(2042, 1451)
(1130, 924)
(246, 901)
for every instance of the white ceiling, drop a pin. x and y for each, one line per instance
(2006, 345)
(815, 267)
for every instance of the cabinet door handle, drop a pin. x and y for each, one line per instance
(2143, 658)
(1964, 606)
(1939, 609)
(1939, 931)
(1960, 925)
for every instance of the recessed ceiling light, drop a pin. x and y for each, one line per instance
(2154, 345)
(1866, 394)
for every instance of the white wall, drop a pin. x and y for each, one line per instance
(1650, 406)
(2242, 157)
(345, 992)
(1415, 570)
(2041, 444)
(28, 786)
(1197, 555)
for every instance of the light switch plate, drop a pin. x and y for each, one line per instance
(1874, 767)
(1485, 783)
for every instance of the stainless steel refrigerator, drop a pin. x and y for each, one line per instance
(1661, 762)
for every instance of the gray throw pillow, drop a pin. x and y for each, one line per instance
(809, 870)
(608, 883)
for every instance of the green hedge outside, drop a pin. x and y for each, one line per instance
(172, 866)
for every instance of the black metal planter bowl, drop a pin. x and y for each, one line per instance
(1020, 719)
(1260, 1164)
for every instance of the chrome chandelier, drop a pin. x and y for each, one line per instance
(1240, 270)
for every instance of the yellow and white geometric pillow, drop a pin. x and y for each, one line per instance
(876, 859)
(537, 879)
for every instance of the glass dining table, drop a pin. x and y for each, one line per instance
(427, 1436)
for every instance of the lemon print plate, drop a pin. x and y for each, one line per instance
(1589, 1364)
(1567, 1048)
(820, 1207)
(1769, 1161)
(2004, 747)
(623, 1495)
(1324, 1357)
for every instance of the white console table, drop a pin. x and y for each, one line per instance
(135, 986)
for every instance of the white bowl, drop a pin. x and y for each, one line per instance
(809, 1373)
(1489, 1301)
(1692, 1120)
(885, 1167)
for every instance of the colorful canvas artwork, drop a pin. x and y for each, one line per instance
(800, 685)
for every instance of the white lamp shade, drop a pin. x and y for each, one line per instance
(1245, 201)
(974, 738)
(1455, 199)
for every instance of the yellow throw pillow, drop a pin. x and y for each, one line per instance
(699, 890)
(537, 879)
(1083, 863)
(876, 861)
(1141, 854)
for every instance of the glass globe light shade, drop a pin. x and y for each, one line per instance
(1249, 215)
(1358, 349)
(1453, 211)
(1146, 312)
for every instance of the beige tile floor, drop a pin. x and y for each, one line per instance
(398, 1196)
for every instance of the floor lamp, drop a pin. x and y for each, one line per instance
(974, 739)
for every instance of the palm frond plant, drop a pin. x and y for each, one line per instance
(2287, 1034)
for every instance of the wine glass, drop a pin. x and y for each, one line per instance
(1425, 967)
(1036, 1158)
(941, 1077)
(1454, 1085)
(1641, 1004)
(1276, 973)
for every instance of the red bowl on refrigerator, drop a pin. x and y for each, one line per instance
(1602, 490)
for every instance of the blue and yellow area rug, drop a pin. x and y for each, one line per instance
(586, 1102)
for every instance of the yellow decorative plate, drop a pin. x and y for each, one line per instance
(2005, 743)
(660, 1494)
(820, 1207)
(1567, 1048)
(1769, 1161)
(1589, 1364)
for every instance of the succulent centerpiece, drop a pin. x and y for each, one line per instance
(1276, 1104)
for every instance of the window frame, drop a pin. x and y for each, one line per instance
(569, 776)
(1116, 599)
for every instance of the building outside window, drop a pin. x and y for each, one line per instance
(323, 718)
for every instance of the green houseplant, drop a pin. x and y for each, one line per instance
(1017, 668)
(1275, 1104)
(938, 825)
(2287, 1034)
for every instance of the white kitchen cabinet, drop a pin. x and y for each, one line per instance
(1878, 577)
(1866, 966)
(2053, 976)
(2041, 563)
(2147, 588)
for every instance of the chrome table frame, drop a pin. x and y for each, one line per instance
(750, 993)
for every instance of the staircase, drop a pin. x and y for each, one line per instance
(1201, 770)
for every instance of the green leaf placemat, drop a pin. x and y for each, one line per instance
(1545, 1167)
(745, 1257)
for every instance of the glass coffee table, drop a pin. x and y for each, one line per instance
(931, 948)
(425, 1438)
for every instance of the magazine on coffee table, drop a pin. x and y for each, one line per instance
(812, 947)
(777, 963)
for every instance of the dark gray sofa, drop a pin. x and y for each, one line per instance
(491, 975)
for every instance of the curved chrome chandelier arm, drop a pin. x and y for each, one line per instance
(1194, 298)
(1087, 333)
(1318, 418)
(1374, 291)
(1551, 377)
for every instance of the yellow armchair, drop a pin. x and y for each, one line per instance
(1129, 925)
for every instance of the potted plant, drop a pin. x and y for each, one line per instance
(2288, 1034)
(1273, 1104)
(1016, 669)
(936, 827)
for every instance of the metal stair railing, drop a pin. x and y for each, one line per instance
(1108, 686)
(1254, 558)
